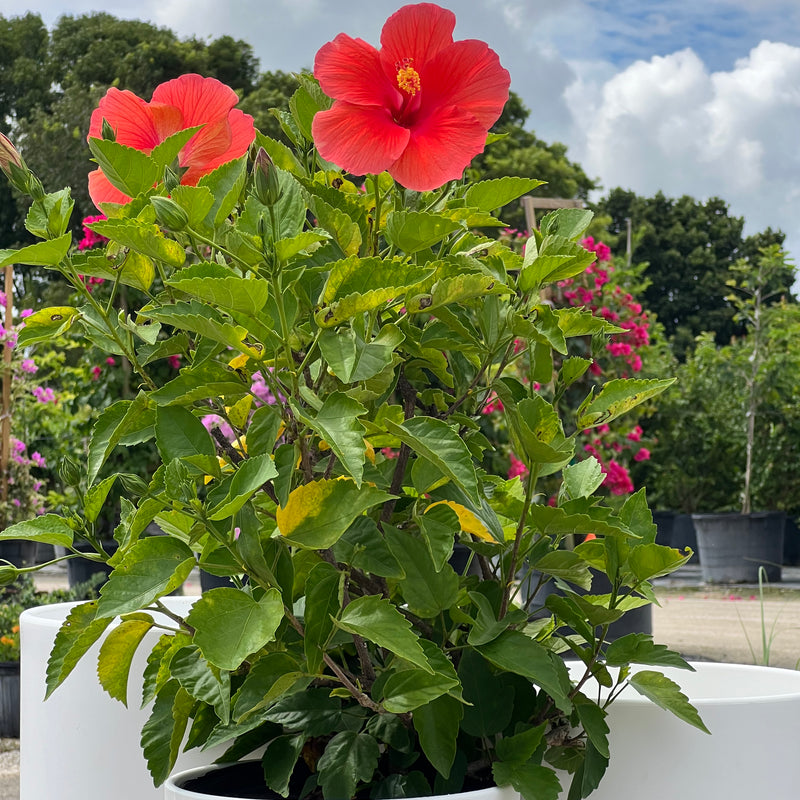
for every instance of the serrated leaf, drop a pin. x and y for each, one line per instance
(493, 194)
(515, 652)
(377, 620)
(648, 561)
(324, 593)
(666, 694)
(79, 631)
(110, 427)
(230, 624)
(41, 254)
(639, 648)
(219, 286)
(235, 491)
(336, 423)
(451, 290)
(567, 565)
(437, 725)
(130, 170)
(349, 757)
(318, 513)
(196, 201)
(116, 655)
(202, 681)
(363, 547)
(583, 478)
(532, 781)
(411, 689)
(162, 734)
(345, 232)
(305, 241)
(279, 760)
(200, 383)
(180, 433)
(593, 720)
(270, 677)
(436, 441)
(352, 359)
(164, 153)
(47, 529)
(225, 183)
(130, 268)
(47, 323)
(412, 231)
(617, 397)
(569, 223)
(145, 238)
(151, 568)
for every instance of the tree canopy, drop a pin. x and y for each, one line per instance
(689, 247)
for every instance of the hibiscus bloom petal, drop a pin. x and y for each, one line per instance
(199, 99)
(467, 75)
(217, 144)
(129, 116)
(350, 69)
(440, 148)
(101, 190)
(358, 139)
(416, 32)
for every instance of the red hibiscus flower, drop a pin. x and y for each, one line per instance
(419, 107)
(176, 105)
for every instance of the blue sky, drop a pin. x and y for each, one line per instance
(698, 97)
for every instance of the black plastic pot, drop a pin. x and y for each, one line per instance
(9, 699)
(664, 521)
(19, 552)
(684, 535)
(733, 546)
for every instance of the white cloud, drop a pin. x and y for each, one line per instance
(669, 124)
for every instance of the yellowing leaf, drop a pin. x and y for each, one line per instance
(468, 521)
(239, 361)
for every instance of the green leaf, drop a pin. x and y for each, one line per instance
(153, 567)
(515, 652)
(41, 254)
(162, 734)
(439, 526)
(49, 216)
(339, 224)
(352, 359)
(337, 424)
(318, 513)
(436, 441)
(230, 624)
(377, 620)
(569, 223)
(520, 748)
(313, 711)
(426, 591)
(47, 323)
(437, 725)
(411, 689)
(219, 286)
(639, 648)
(236, 490)
(143, 237)
(164, 153)
(363, 547)
(583, 478)
(116, 655)
(112, 424)
(225, 183)
(262, 432)
(324, 595)
(307, 241)
(200, 383)
(648, 561)
(617, 397)
(279, 760)
(203, 681)
(47, 529)
(451, 290)
(567, 565)
(80, 630)
(412, 231)
(95, 497)
(180, 433)
(196, 201)
(129, 170)
(636, 514)
(349, 757)
(273, 675)
(129, 268)
(498, 192)
(593, 720)
(557, 259)
(532, 781)
(666, 694)
(491, 704)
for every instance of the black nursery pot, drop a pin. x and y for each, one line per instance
(80, 570)
(9, 699)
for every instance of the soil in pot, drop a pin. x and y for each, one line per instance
(246, 779)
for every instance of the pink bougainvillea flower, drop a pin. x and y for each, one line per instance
(176, 105)
(419, 108)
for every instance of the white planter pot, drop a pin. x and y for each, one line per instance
(173, 790)
(753, 714)
(80, 744)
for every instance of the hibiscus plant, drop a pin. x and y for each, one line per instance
(345, 333)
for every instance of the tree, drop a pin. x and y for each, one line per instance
(689, 247)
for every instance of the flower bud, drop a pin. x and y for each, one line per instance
(107, 132)
(169, 213)
(266, 182)
(133, 484)
(13, 166)
(8, 574)
(68, 472)
(171, 179)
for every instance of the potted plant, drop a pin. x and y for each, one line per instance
(349, 333)
(733, 545)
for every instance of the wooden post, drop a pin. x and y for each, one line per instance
(5, 429)
(530, 204)
(628, 242)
